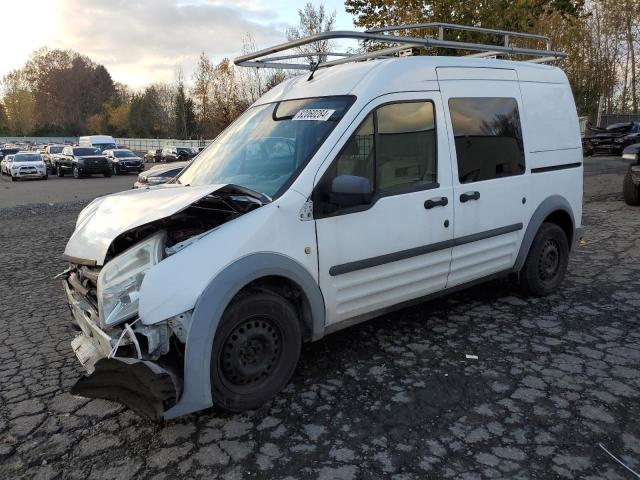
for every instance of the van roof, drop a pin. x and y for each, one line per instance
(377, 77)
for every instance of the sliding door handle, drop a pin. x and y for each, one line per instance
(436, 202)
(466, 196)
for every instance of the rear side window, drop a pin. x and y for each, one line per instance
(488, 138)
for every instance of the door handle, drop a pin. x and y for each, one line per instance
(436, 202)
(465, 197)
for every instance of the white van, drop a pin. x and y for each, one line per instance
(102, 142)
(336, 197)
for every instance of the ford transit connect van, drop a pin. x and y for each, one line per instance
(336, 197)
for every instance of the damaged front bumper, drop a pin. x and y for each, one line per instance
(146, 387)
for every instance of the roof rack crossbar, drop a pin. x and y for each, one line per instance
(441, 27)
(263, 58)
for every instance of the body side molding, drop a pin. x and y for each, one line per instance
(552, 168)
(422, 250)
(210, 307)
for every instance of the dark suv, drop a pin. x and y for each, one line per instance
(177, 154)
(82, 161)
(124, 161)
(612, 139)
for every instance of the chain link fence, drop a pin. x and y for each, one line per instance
(611, 118)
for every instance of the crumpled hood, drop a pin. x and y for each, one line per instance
(104, 219)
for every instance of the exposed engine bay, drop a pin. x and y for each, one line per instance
(222, 206)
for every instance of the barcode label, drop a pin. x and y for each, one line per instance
(319, 114)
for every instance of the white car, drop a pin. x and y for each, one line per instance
(384, 182)
(5, 165)
(28, 165)
(159, 174)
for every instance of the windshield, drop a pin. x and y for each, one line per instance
(27, 157)
(55, 149)
(86, 151)
(124, 154)
(105, 146)
(268, 145)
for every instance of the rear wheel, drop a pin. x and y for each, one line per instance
(255, 350)
(108, 173)
(630, 191)
(546, 262)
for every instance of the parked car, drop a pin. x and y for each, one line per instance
(5, 164)
(153, 156)
(51, 156)
(384, 182)
(631, 182)
(176, 154)
(124, 161)
(159, 174)
(8, 150)
(611, 140)
(83, 161)
(101, 142)
(27, 164)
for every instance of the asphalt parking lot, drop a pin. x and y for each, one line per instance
(396, 397)
(61, 190)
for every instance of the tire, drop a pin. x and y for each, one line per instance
(59, 171)
(107, 173)
(76, 172)
(45, 176)
(546, 262)
(255, 350)
(14, 179)
(630, 191)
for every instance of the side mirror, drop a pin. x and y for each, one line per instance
(350, 191)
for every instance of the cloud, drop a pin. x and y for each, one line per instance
(144, 41)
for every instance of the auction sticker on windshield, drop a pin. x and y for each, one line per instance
(321, 114)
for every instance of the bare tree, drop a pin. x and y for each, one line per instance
(311, 21)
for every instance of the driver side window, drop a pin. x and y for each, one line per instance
(394, 149)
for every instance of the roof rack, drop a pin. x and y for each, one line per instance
(385, 36)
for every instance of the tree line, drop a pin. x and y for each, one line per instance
(601, 37)
(64, 93)
(61, 92)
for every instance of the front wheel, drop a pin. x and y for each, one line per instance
(630, 191)
(14, 179)
(76, 172)
(45, 176)
(107, 173)
(255, 350)
(546, 262)
(59, 171)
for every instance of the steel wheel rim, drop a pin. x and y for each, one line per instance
(549, 260)
(250, 353)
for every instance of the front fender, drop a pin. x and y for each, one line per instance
(210, 307)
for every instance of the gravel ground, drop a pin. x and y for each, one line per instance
(393, 398)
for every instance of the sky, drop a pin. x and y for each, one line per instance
(146, 41)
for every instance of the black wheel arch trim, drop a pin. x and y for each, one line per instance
(546, 208)
(209, 310)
